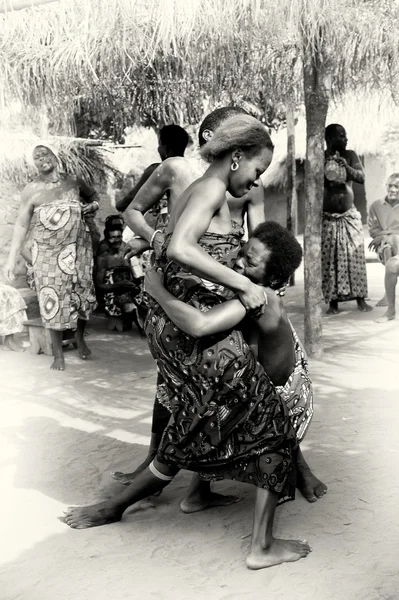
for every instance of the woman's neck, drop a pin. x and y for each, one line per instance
(219, 168)
(52, 177)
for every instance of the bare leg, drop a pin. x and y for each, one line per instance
(266, 550)
(128, 478)
(363, 306)
(391, 278)
(160, 419)
(10, 343)
(56, 342)
(83, 349)
(333, 308)
(200, 496)
(110, 511)
(308, 484)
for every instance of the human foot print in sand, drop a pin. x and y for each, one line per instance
(277, 552)
(58, 364)
(310, 487)
(83, 517)
(198, 502)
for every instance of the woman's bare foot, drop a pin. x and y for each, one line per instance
(11, 344)
(83, 350)
(383, 301)
(195, 503)
(124, 478)
(277, 552)
(310, 487)
(58, 364)
(83, 517)
(333, 308)
(128, 478)
(388, 316)
(363, 306)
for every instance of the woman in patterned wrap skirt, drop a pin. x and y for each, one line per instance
(227, 419)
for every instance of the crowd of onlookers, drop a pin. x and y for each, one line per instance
(121, 257)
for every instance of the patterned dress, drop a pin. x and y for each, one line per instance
(62, 259)
(227, 420)
(12, 310)
(344, 275)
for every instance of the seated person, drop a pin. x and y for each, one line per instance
(111, 221)
(114, 276)
(384, 229)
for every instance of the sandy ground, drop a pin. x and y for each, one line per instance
(62, 433)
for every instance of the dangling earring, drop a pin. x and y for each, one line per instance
(234, 165)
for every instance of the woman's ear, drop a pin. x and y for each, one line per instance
(237, 155)
(207, 134)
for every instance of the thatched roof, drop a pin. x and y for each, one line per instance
(157, 60)
(371, 123)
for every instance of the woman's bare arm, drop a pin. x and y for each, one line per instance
(189, 319)
(22, 225)
(205, 201)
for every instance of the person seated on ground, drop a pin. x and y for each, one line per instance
(115, 278)
(344, 274)
(384, 229)
(269, 258)
(112, 221)
(12, 317)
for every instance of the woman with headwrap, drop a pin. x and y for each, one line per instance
(62, 253)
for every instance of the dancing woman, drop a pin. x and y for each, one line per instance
(227, 419)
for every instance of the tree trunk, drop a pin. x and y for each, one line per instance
(317, 91)
(292, 224)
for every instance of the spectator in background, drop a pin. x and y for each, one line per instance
(384, 229)
(115, 278)
(344, 275)
(62, 252)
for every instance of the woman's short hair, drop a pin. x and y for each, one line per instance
(286, 253)
(215, 118)
(239, 131)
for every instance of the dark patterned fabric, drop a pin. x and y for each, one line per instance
(344, 275)
(114, 301)
(227, 419)
(62, 260)
(297, 392)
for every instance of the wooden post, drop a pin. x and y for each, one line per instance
(317, 87)
(292, 222)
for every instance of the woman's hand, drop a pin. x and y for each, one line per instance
(90, 208)
(253, 298)
(8, 271)
(135, 246)
(152, 281)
